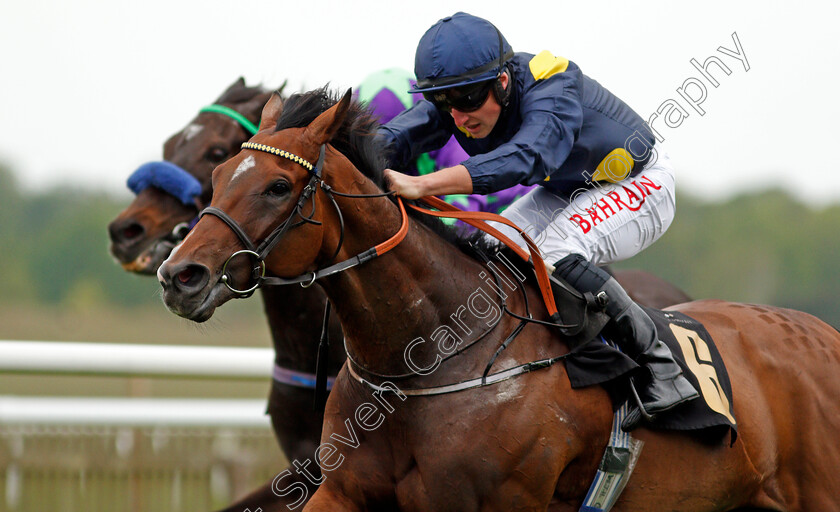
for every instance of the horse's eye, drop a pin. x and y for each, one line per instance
(216, 154)
(278, 188)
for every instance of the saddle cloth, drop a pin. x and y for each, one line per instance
(595, 362)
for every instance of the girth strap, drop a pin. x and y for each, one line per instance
(484, 380)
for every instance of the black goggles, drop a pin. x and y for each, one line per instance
(466, 98)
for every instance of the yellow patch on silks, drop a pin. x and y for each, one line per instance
(544, 65)
(616, 166)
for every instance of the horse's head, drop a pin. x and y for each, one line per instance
(145, 232)
(265, 197)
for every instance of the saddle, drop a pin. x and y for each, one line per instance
(584, 326)
(593, 360)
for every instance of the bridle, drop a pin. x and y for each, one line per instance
(260, 251)
(233, 114)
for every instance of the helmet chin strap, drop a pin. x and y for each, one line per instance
(502, 93)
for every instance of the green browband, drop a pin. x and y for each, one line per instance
(227, 111)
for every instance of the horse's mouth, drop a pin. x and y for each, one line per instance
(149, 260)
(200, 307)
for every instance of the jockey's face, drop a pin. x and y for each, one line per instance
(479, 123)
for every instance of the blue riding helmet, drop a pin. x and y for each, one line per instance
(458, 50)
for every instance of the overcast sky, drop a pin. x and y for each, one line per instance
(91, 89)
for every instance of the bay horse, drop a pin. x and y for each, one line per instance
(526, 443)
(143, 235)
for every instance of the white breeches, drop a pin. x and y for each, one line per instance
(604, 224)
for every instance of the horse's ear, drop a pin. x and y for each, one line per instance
(271, 111)
(238, 84)
(322, 129)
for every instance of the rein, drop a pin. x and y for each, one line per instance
(477, 220)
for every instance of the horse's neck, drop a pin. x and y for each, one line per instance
(407, 293)
(295, 316)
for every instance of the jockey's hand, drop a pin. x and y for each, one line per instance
(408, 187)
(451, 180)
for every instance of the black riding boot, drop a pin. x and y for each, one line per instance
(665, 386)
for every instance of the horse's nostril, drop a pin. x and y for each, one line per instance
(192, 276)
(186, 275)
(132, 231)
(125, 231)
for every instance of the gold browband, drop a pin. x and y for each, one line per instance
(279, 152)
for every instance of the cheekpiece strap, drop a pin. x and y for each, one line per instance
(315, 170)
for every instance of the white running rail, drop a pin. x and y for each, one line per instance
(176, 361)
(132, 360)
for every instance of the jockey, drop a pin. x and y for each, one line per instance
(386, 94)
(607, 187)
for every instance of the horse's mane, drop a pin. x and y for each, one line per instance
(356, 139)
